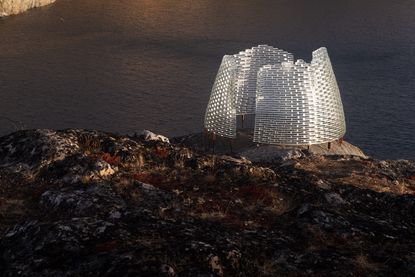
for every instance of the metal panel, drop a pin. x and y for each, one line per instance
(249, 62)
(283, 104)
(329, 115)
(220, 117)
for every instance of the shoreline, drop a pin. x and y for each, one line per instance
(8, 8)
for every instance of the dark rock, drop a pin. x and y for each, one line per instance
(88, 203)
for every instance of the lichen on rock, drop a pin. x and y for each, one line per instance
(90, 203)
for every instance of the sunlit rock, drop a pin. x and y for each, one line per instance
(10, 7)
(150, 136)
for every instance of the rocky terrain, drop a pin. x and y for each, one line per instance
(10, 7)
(88, 203)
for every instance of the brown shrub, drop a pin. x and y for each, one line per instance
(112, 160)
(364, 265)
(255, 193)
(149, 178)
(161, 153)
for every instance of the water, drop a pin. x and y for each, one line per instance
(126, 65)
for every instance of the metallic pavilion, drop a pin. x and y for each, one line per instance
(295, 103)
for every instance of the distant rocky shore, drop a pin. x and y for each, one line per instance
(10, 7)
(90, 203)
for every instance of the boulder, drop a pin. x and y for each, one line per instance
(150, 136)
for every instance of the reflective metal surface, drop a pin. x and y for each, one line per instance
(295, 103)
(221, 114)
(249, 62)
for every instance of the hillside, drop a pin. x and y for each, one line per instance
(90, 203)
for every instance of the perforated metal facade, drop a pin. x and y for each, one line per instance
(283, 104)
(294, 103)
(220, 115)
(248, 64)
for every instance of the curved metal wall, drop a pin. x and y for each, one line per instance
(329, 116)
(283, 104)
(249, 62)
(295, 103)
(220, 117)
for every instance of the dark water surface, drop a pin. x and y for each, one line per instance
(130, 64)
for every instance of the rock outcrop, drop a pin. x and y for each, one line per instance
(10, 7)
(88, 203)
(244, 146)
